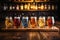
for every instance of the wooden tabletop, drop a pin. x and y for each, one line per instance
(46, 29)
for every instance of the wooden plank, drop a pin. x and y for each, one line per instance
(46, 29)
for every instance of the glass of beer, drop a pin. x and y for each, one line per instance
(41, 22)
(8, 22)
(25, 22)
(33, 22)
(49, 22)
(16, 22)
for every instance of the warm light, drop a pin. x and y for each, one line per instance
(21, 7)
(46, 0)
(34, 7)
(10, 7)
(26, 6)
(45, 6)
(39, 7)
(17, 7)
(52, 7)
(13, 7)
(42, 7)
(22, 0)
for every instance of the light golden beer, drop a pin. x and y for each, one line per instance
(41, 22)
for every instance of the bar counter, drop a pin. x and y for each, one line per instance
(46, 29)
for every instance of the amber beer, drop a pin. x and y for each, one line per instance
(49, 22)
(8, 22)
(33, 22)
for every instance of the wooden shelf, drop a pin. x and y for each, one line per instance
(25, 10)
(53, 29)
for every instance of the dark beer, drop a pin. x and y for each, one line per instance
(16, 22)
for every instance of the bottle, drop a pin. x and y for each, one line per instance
(45, 7)
(53, 7)
(42, 7)
(21, 7)
(39, 6)
(17, 7)
(28, 6)
(32, 6)
(41, 22)
(5, 7)
(13, 7)
(10, 8)
(49, 7)
(25, 6)
(36, 7)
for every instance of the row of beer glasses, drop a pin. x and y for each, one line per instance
(25, 22)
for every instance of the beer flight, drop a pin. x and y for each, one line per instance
(26, 22)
